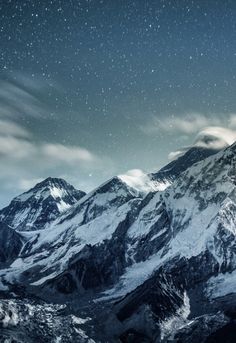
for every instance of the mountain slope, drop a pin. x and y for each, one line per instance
(35, 209)
(207, 143)
(90, 222)
(172, 170)
(11, 244)
(152, 264)
(199, 244)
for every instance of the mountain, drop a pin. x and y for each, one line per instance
(208, 142)
(172, 170)
(35, 209)
(197, 250)
(11, 244)
(154, 267)
(75, 240)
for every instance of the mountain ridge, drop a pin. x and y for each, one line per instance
(34, 209)
(150, 263)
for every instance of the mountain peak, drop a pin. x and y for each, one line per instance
(50, 181)
(116, 185)
(40, 205)
(193, 155)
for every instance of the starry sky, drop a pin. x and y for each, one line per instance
(94, 88)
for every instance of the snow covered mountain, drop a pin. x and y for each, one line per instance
(158, 267)
(35, 209)
(172, 170)
(93, 219)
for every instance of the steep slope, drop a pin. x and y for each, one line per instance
(35, 209)
(197, 247)
(207, 143)
(152, 264)
(11, 243)
(145, 231)
(76, 241)
(172, 170)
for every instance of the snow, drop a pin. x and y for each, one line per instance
(44, 279)
(138, 180)
(97, 215)
(172, 324)
(146, 218)
(3, 287)
(133, 277)
(161, 186)
(57, 192)
(80, 321)
(34, 204)
(40, 319)
(24, 197)
(63, 206)
(67, 236)
(159, 233)
(221, 285)
(6, 319)
(193, 228)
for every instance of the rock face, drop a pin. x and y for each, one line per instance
(159, 267)
(35, 209)
(172, 170)
(11, 243)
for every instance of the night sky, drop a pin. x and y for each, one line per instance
(91, 89)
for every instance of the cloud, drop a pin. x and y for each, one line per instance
(15, 148)
(211, 131)
(16, 101)
(187, 124)
(25, 162)
(45, 153)
(213, 137)
(137, 179)
(26, 184)
(25, 157)
(173, 155)
(23, 96)
(67, 154)
(9, 128)
(232, 121)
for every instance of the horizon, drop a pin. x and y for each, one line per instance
(214, 141)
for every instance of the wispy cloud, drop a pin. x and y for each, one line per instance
(16, 148)
(25, 156)
(16, 143)
(68, 154)
(15, 101)
(187, 124)
(138, 179)
(212, 137)
(26, 184)
(22, 96)
(9, 128)
(25, 159)
(24, 162)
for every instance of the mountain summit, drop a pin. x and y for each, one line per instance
(36, 208)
